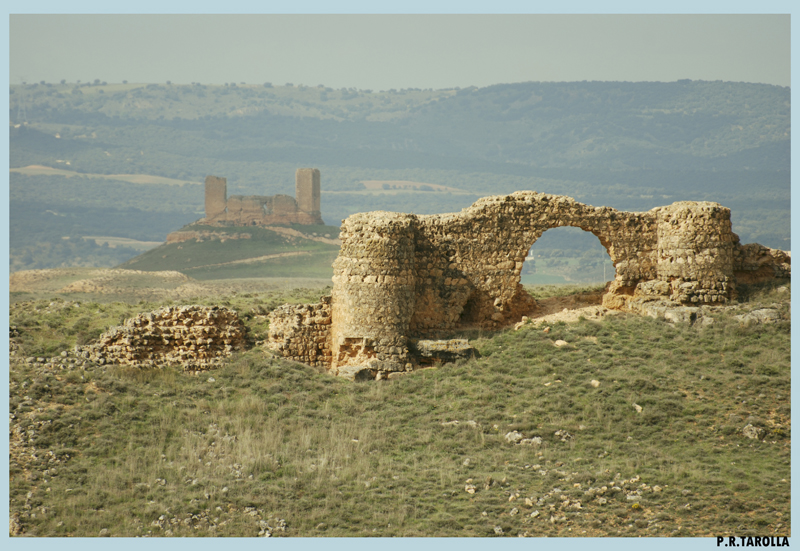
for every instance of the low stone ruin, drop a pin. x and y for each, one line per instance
(401, 277)
(302, 332)
(195, 337)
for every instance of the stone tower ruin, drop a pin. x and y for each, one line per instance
(216, 196)
(307, 191)
(260, 210)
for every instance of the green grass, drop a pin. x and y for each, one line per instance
(211, 258)
(316, 264)
(542, 279)
(270, 439)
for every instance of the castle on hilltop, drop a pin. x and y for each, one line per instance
(260, 210)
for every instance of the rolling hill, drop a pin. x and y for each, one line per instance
(109, 148)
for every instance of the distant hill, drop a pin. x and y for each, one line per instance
(632, 146)
(687, 124)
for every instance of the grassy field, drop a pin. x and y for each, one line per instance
(39, 170)
(640, 424)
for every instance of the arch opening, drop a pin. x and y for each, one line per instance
(567, 256)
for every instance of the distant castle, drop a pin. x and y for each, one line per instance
(259, 210)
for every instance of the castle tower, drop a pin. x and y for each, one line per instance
(217, 195)
(307, 190)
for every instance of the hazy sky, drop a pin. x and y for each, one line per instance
(398, 51)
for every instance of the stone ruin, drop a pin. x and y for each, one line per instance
(195, 337)
(258, 210)
(403, 277)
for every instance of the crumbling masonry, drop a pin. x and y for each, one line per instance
(195, 337)
(403, 276)
(258, 210)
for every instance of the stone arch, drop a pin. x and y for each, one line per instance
(403, 276)
(483, 248)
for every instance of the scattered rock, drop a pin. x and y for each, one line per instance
(753, 432)
(595, 383)
(445, 351)
(563, 435)
(14, 525)
(762, 315)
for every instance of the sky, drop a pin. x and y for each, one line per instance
(380, 52)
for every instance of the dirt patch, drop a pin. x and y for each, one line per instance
(114, 281)
(28, 281)
(568, 309)
(114, 242)
(109, 285)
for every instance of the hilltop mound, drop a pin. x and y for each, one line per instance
(209, 252)
(131, 286)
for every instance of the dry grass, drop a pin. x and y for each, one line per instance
(266, 441)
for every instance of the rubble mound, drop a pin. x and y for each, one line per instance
(430, 351)
(195, 337)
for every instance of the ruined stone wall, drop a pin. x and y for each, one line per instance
(302, 332)
(402, 276)
(260, 210)
(754, 263)
(195, 337)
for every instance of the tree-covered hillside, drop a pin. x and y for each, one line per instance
(702, 125)
(631, 146)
